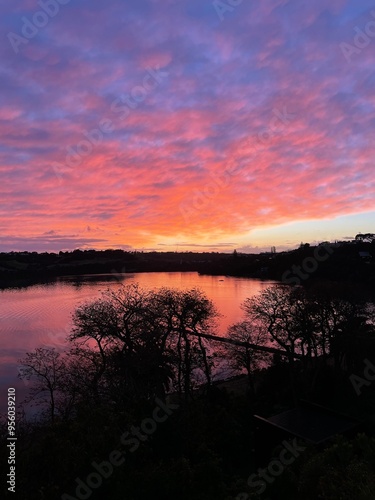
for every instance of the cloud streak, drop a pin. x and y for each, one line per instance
(225, 79)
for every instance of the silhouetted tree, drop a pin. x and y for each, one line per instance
(366, 238)
(240, 357)
(46, 369)
(148, 338)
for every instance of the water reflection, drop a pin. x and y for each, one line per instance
(40, 315)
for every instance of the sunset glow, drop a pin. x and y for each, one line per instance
(164, 125)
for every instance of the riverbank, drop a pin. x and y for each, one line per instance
(351, 263)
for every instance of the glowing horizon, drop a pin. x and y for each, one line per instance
(164, 125)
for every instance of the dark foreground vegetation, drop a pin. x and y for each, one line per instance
(346, 261)
(133, 409)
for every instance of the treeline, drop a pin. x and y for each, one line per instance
(349, 261)
(134, 350)
(28, 267)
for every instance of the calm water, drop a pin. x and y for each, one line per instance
(40, 315)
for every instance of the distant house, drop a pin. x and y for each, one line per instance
(366, 256)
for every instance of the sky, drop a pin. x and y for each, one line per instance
(185, 124)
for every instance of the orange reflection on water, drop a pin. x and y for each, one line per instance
(40, 315)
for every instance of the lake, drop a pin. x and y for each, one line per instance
(40, 315)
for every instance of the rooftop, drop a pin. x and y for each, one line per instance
(312, 423)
